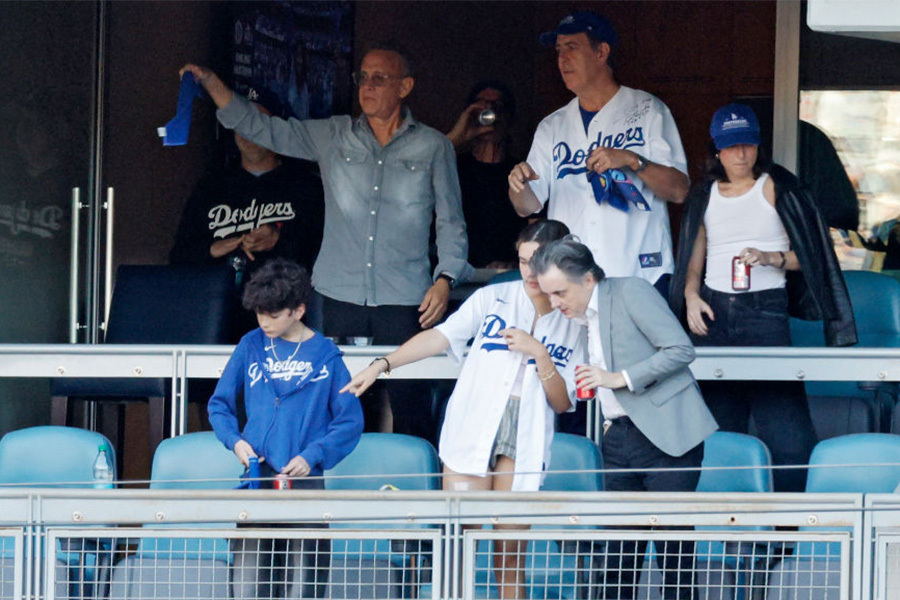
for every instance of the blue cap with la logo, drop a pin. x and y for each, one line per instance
(734, 124)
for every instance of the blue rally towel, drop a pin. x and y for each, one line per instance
(250, 479)
(176, 131)
(614, 187)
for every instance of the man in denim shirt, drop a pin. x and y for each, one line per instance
(386, 177)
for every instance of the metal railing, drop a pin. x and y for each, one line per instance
(180, 545)
(180, 363)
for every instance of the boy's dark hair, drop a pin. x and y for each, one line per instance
(277, 285)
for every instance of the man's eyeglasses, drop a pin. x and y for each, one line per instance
(375, 80)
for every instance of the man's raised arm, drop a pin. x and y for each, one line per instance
(219, 92)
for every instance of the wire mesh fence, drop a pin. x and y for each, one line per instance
(11, 565)
(117, 545)
(613, 564)
(259, 563)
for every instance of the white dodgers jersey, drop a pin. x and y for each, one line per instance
(632, 243)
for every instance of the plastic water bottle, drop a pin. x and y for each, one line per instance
(103, 471)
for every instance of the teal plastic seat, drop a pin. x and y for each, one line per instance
(852, 450)
(553, 567)
(378, 456)
(195, 461)
(731, 449)
(569, 452)
(725, 569)
(51, 456)
(813, 572)
(60, 457)
(182, 567)
(876, 307)
(381, 568)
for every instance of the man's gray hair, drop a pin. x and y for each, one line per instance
(568, 255)
(398, 49)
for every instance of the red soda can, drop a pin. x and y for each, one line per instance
(583, 393)
(740, 275)
(282, 483)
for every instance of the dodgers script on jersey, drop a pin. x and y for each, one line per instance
(226, 220)
(487, 377)
(636, 242)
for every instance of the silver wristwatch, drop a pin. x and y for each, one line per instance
(642, 163)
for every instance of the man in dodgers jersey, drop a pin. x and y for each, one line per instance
(610, 129)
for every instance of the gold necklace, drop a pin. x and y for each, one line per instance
(291, 357)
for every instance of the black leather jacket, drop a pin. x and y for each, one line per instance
(817, 291)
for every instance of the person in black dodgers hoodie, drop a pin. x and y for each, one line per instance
(298, 422)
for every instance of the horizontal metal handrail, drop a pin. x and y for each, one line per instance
(43, 506)
(182, 362)
(727, 363)
(746, 521)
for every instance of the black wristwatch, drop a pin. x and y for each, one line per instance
(642, 163)
(450, 281)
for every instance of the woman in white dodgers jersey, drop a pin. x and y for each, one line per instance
(519, 372)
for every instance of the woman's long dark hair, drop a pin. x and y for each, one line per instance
(714, 171)
(543, 231)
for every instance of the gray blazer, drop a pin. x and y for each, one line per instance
(640, 335)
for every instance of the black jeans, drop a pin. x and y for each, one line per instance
(388, 325)
(281, 568)
(619, 563)
(779, 408)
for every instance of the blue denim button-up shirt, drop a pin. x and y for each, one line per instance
(379, 202)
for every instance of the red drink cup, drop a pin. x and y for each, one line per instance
(282, 483)
(583, 393)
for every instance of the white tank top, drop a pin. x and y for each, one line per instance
(735, 223)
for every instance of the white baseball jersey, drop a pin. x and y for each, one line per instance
(478, 401)
(637, 243)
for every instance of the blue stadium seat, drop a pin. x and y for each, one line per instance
(570, 452)
(834, 416)
(730, 449)
(853, 450)
(552, 567)
(724, 569)
(59, 457)
(381, 568)
(876, 307)
(834, 468)
(50, 456)
(180, 567)
(378, 456)
(196, 461)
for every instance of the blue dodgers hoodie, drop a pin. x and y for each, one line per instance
(293, 404)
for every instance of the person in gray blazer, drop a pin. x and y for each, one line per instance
(654, 415)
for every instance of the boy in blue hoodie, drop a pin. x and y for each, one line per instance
(298, 422)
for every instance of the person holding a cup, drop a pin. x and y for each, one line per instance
(655, 420)
(753, 251)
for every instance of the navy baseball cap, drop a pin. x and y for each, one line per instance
(582, 21)
(734, 124)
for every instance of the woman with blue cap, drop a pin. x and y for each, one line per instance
(754, 249)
